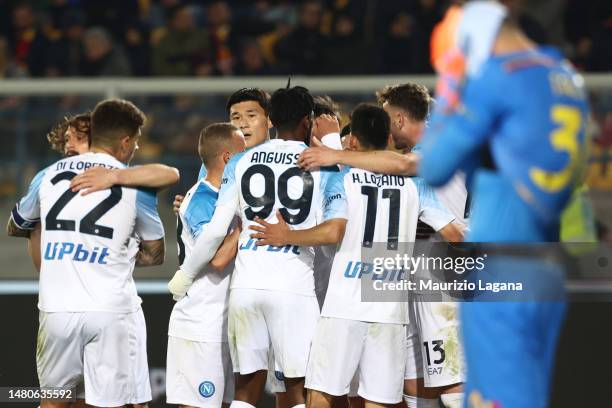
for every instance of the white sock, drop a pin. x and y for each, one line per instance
(240, 404)
(299, 406)
(452, 400)
(415, 402)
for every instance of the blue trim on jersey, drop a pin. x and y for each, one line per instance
(202, 173)
(334, 196)
(148, 224)
(200, 209)
(27, 211)
(427, 196)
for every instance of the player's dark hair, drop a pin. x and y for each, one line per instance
(412, 98)
(345, 130)
(57, 136)
(249, 94)
(213, 138)
(370, 124)
(325, 105)
(288, 106)
(112, 119)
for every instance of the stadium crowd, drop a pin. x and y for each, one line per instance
(263, 37)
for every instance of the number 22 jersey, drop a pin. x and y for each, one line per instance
(261, 181)
(86, 264)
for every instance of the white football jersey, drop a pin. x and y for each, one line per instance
(86, 261)
(384, 209)
(262, 180)
(201, 315)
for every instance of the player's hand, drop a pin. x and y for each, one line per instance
(324, 125)
(94, 179)
(179, 285)
(318, 155)
(270, 234)
(176, 205)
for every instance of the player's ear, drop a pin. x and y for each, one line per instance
(226, 156)
(270, 126)
(352, 142)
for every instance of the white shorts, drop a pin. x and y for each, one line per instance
(434, 332)
(140, 364)
(374, 351)
(94, 350)
(198, 374)
(275, 382)
(260, 320)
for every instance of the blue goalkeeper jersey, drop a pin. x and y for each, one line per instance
(520, 132)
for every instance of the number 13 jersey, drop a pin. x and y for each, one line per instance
(85, 261)
(261, 181)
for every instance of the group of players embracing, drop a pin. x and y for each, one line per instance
(264, 237)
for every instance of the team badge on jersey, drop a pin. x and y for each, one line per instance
(206, 389)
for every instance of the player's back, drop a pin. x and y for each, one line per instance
(86, 261)
(539, 131)
(384, 212)
(268, 179)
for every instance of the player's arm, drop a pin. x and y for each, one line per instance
(226, 252)
(26, 213)
(379, 161)
(433, 213)
(148, 176)
(151, 253)
(452, 232)
(330, 231)
(13, 230)
(211, 234)
(453, 138)
(279, 234)
(34, 246)
(149, 229)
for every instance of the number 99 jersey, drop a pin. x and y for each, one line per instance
(262, 180)
(85, 261)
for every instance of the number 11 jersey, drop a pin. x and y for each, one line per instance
(86, 264)
(262, 180)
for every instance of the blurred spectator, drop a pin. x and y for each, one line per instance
(251, 61)
(301, 51)
(221, 33)
(530, 26)
(405, 47)
(7, 68)
(114, 15)
(220, 37)
(65, 54)
(138, 50)
(183, 49)
(29, 44)
(344, 49)
(600, 56)
(102, 58)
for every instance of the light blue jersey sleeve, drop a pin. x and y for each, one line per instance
(453, 138)
(148, 224)
(202, 173)
(26, 213)
(212, 233)
(431, 211)
(200, 209)
(334, 197)
(229, 192)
